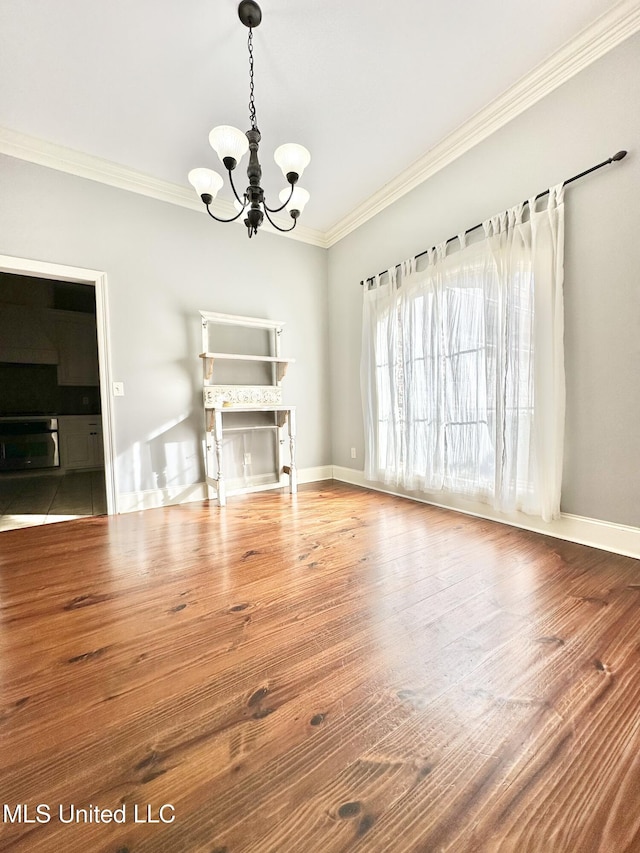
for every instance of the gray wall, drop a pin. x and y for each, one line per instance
(585, 121)
(164, 264)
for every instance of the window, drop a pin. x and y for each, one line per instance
(450, 373)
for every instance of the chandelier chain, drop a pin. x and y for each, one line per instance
(252, 102)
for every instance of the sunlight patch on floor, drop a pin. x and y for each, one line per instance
(13, 522)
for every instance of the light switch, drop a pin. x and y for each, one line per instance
(118, 389)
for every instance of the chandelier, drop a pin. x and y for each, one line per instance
(231, 145)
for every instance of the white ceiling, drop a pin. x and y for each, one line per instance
(369, 88)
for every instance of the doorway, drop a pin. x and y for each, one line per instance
(78, 304)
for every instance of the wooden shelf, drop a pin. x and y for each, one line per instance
(250, 427)
(236, 356)
(274, 408)
(281, 363)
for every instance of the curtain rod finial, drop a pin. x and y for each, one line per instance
(620, 155)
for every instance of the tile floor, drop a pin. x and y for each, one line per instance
(30, 500)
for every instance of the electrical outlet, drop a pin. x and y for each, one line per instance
(247, 459)
(118, 389)
(353, 453)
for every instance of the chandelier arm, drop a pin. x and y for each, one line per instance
(217, 219)
(277, 227)
(282, 206)
(240, 201)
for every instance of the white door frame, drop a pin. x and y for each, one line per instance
(60, 272)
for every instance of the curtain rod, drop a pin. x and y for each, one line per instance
(620, 155)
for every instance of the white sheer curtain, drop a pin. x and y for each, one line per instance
(462, 369)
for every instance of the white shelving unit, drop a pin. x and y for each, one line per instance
(222, 400)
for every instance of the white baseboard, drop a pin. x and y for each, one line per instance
(314, 475)
(154, 498)
(618, 538)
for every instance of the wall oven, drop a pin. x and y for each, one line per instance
(28, 442)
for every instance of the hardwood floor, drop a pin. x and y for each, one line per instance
(335, 671)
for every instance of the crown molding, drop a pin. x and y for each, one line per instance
(607, 32)
(53, 156)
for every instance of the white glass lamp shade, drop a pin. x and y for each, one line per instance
(228, 141)
(298, 200)
(292, 158)
(205, 182)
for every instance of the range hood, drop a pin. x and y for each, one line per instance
(26, 335)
